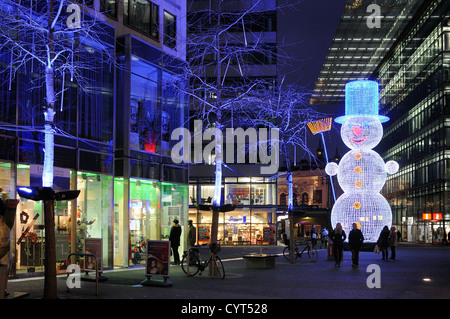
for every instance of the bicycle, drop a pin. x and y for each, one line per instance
(310, 250)
(138, 252)
(191, 262)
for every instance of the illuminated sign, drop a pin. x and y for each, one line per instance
(237, 220)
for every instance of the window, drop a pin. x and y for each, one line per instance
(109, 7)
(143, 16)
(170, 30)
(145, 113)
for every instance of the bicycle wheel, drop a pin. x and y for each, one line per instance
(286, 253)
(312, 253)
(136, 259)
(219, 268)
(194, 265)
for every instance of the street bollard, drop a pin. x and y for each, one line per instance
(330, 251)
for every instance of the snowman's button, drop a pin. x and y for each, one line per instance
(358, 184)
(356, 205)
(358, 156)
(357, 169)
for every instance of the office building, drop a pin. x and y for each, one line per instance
(413, 73)
(111, 137)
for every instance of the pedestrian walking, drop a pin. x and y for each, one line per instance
(338, 236)
(192, 234)
(313, 236)
(324, 237)
(174, 237)
(383, 242)
(392, 242)
(355, 239)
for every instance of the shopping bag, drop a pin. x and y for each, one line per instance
(376, 250)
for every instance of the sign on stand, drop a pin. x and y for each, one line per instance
(93, 246)
(157, 263)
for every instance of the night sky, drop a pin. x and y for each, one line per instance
(310, 26)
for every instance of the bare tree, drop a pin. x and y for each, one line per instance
(52, 38)
(287, 109)
(233, 61)
(221, 52)
(48, 41)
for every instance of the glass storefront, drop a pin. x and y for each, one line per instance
(93, 217)
(144, 215)
(253, 193)
(252, 222)
(94, 212)
(432, 232)
(152, 208)
(174, 200)
(29, 251)
(256, 226)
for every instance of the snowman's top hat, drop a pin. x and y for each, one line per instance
(361, 99)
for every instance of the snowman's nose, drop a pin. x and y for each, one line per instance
(357, 130)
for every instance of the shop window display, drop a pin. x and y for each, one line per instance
(144, 216)
(174, 201)
(120, 236)
(145, 115)
(250, 194)
(239, 227)
(30, 249)
(94, 211)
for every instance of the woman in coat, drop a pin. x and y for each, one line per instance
(392, 242)
(383, 242)
(338, 236)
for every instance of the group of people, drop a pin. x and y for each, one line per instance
(175, 235)
(387, 238)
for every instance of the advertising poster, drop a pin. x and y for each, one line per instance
(93, 246)
(269, 235)
(158, 258)
(62, 246)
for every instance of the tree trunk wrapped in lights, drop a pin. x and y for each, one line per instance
(51, 38)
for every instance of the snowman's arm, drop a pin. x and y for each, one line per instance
(331, 168)
(391, 167)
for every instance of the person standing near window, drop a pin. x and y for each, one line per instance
(174, 237)
(192, 234)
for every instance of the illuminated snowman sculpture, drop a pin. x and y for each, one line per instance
(362, 172)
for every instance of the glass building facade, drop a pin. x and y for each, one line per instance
(252, 222)
(415, 94)
(111, 144)
(409, 57)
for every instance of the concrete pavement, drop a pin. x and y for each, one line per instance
(418, 273)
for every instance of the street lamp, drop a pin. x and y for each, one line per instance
(48, 196)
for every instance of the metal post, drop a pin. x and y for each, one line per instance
(96, 268)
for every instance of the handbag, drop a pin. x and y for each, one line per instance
(376, 250)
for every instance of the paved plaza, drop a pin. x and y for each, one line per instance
(417, 273)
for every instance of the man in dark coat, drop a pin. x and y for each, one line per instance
(174, 237)
(383, 242)
(355, 239)
(192, 234)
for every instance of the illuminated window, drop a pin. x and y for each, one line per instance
(170, 30)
